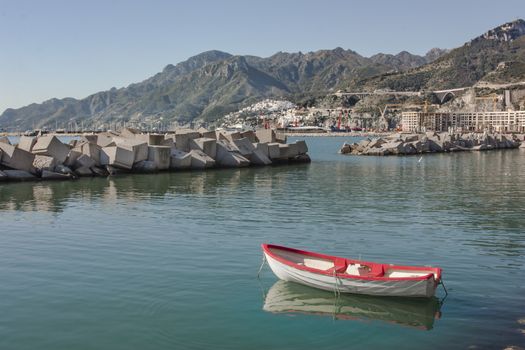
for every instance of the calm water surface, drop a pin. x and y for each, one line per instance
(170, 260)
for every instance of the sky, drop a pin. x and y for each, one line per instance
(70, 48)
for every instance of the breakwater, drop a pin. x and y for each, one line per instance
(431, 142)
(129, 151)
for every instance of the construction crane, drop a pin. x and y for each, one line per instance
(389, 105)
(401, 105)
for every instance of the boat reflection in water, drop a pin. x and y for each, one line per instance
(291, 298)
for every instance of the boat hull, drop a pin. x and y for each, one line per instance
(336, 282)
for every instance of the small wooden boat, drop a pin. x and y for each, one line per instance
(351, 276)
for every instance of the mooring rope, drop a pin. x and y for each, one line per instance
(336, 287)
(445, 288)
(262, 264)
(337, 294)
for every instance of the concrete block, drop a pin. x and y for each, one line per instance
(346, 148)
(209, 135)
(274, 151)
(160, 155)
(245, 146)
(138, 147)
(364, 143)
(302, 158)
(266, 135)
(287, 151)
(73, 143)
(376, 143)
(51, 175)
(92, 150)
(44, 163)
(50, 145)
(78, 146)
(262, 147)
(431, 134)
(90, 138)
(61, 168)
(444, 137)
(417, 145)
(375, 151)
(435, 145)
(84, 161)
(180, 159)
(228, 155)
(105, 139)
(168, 141)
(227, 146)
(250, 135)
(293, 150)
(26, 143)
(72, 158)
(114, 171)
(481, 147)
(116, 156)
(83, 171)
(145, 166)
(231, 136)
(129, 133)
(5, 139)
(19, 175)
(151, 139)
(200, 160)
(302, 147)
(202, 130)
(16, 158)
(259, 158)
(394, 147)
(221, 135)
(206, 145)
(410, 137)
(156, 139)
(280, 137)
(409, 149)
(98, 171)
(232, 160)
(183, 137)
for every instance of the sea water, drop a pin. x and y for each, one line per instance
(171, 260)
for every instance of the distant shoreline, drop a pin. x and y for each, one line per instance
(289, 134)
(338, 134)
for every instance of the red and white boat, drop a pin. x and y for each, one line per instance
(351, 276)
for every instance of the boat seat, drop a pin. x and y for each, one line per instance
(340, 265)
(365, 270)
(318, 264)
(406, 273)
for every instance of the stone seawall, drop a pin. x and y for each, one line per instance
(130, 151)
(431, 142)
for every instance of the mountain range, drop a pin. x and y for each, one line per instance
(214, 83)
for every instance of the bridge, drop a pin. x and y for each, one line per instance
(442, 95)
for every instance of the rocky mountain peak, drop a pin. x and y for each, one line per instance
(506, 32)
(435, 53)
(213, 83)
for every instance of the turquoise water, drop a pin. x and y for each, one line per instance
(170, 260)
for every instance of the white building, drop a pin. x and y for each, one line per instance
(510, 121)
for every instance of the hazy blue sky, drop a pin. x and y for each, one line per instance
(74, 48)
